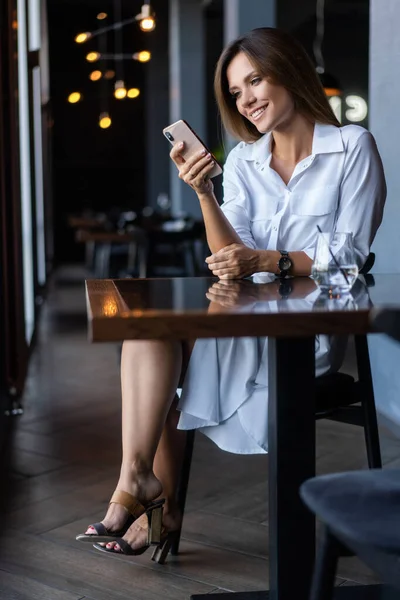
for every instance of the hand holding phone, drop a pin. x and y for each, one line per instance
(195, 163)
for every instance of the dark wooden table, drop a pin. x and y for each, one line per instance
(291, 316)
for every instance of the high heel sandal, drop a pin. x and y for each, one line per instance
(135, 510)
(156, 536)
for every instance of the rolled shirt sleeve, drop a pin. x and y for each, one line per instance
(235, 206)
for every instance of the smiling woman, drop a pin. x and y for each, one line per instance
(275, 56)
(294, 170)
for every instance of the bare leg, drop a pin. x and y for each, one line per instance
(150, 374)
(167, 467)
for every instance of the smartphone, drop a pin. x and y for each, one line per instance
(182, 132)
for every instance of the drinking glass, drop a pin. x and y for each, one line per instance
(334, 268)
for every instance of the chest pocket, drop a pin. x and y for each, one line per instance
(265, 210)
(315, 201)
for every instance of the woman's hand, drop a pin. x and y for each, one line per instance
(195, 170)
(232, 294)
(233, 262)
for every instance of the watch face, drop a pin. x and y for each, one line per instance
(284, 263)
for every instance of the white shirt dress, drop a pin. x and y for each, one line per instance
(340, 187)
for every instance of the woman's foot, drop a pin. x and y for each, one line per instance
(145, 489)
(136, 536)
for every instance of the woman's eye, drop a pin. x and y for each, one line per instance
(255, 81)
(235, 95)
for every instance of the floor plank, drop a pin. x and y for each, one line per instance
(86, 572)
(14, 587)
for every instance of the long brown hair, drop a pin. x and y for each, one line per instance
(280, 57)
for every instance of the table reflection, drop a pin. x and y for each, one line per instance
(270, 294)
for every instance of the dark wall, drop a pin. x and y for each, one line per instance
(346, 39)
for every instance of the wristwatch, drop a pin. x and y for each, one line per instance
(285, 289)
(284, 264)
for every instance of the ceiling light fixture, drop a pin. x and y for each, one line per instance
(146, 18)
(143, 56)
(120, 90)
(83, 37)
(74, 97)
(95, 75)
(93, 56)
(133, 93)
(104, 120)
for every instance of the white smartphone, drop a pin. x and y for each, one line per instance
(182, 132)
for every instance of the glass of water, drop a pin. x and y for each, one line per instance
(334, 268)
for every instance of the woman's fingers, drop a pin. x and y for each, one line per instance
(175, 154)
(219, 265)
(196, 169)
(226, 273)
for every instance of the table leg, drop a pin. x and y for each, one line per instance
(291, 440)
(291, 431)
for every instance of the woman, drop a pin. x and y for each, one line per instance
(294, 169)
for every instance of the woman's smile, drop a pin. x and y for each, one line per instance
(263, 103)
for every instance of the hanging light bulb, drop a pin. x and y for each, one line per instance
(133, 93)
(104, 120)
(74, 97)
(83, 37)
(92, 56)
(146, 18)
(120, 90)
(143, 56)
(95, 75)
(101, 16)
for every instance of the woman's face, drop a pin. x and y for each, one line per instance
(269, 107)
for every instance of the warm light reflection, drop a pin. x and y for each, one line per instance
(143, 56)
(104, 120)
(110, 307)
(14, 25)
(83, 37)
(133, 93)
(95, 75)
(101, 16)
(74, 97)
(92, 56)
(147, 24)
(332, 92)
(109, 74)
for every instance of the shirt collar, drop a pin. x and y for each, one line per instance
(326, 139)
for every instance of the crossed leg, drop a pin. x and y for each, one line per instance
(152, 447)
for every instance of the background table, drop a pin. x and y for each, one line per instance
(178, 308)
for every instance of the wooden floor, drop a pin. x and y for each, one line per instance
(65, 464)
